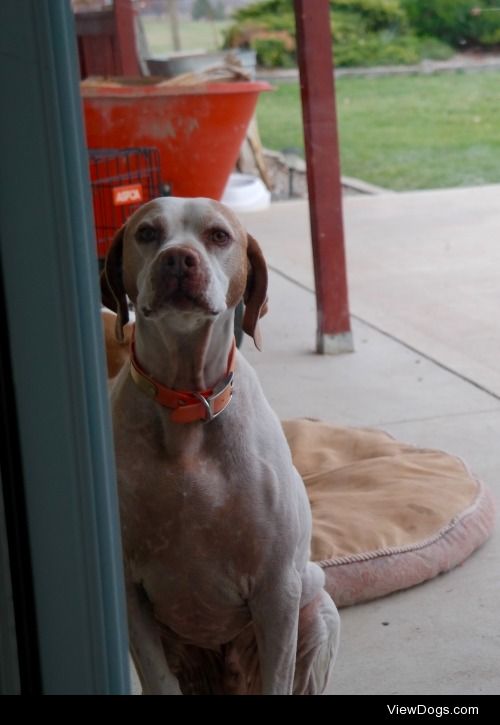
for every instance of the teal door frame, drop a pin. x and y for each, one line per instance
(50, 282)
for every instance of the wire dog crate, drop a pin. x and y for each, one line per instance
(121, 180)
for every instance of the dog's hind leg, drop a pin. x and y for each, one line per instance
(318, 638)
(275, 613)
(146, 646)
(319, 631)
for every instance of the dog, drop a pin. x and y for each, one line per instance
(117, 351)
(216, 524)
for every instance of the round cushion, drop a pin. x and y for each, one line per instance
(386, 515)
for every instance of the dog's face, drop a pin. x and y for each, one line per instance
(183, 261)
(187, 259)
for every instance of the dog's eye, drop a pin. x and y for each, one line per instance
(147, 234)
(219, 236)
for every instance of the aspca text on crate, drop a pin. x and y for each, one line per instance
(130, 194)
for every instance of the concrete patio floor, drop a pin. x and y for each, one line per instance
(424, 275)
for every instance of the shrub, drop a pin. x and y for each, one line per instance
(454, 20)
(257, 10)
(435, 49)
(376, 14)
(365, 32)
(272, 53)
(376, 50)
(247, 33)
(347, 28)
(384, 49)
(249, 29)
(354, 44)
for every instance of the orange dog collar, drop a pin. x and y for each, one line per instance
(187, 406)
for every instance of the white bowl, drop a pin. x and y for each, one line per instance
(245, 192)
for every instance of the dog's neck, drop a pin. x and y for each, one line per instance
(192, 361)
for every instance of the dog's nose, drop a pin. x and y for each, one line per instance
(180, 261)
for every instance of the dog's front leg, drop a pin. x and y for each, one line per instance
(147, 649)
(275, 607)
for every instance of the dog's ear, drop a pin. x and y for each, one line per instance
(256, 291)
(112, 288)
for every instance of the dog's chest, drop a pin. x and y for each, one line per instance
(178, 513)
(190, 543)
(188, 509)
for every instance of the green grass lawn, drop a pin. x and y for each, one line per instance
(194, 34)
(410, 132)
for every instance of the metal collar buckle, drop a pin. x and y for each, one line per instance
(208, 402)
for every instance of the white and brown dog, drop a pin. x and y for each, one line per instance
(216, 524)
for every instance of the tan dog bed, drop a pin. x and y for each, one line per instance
(386, 515)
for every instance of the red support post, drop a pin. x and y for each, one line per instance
(106, 41)
(125, 38)
(317, 85)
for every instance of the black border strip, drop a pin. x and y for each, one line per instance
(16, 520)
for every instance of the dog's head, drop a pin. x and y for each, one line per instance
(184, 260)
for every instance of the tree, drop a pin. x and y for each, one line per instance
(203, 10)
